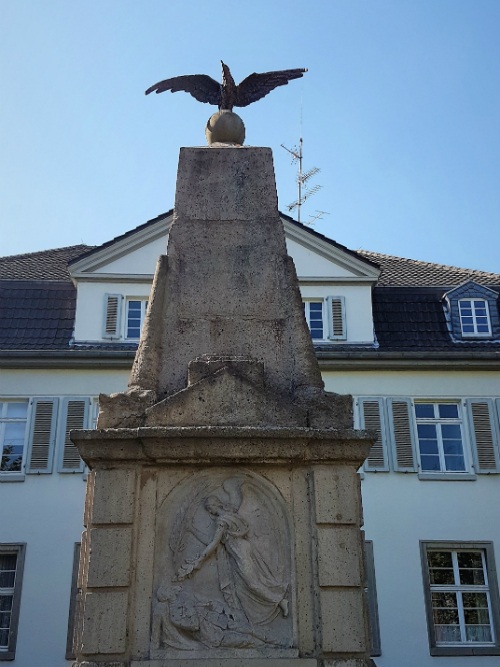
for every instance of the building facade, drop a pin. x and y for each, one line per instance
(417, 345)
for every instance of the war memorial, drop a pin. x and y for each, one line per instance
(223, 514)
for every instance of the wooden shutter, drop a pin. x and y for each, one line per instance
(483, 435)
(372, 416)
(75, 416)
(402, 434)
(42, 435)
(371, 598)
(112, 315)
(336, 317)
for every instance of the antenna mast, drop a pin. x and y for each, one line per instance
(302, 178)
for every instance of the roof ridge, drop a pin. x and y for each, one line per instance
(426, 263)
(41, 252)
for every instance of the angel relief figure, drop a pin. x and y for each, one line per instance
(252, 592)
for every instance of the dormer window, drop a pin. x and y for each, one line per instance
(471, 312)
(326, 318)
(474, 317)
(313, 311)
(136, 312)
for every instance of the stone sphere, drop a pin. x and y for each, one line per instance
(225, 127)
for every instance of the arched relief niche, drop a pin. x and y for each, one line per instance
(222, 573)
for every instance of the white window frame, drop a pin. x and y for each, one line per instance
(324, 319)
(438, 421)
(144, 303)
(19, 549)
(6, 474)
(490, 587)
(475, 333)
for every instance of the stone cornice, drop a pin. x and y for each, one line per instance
(223, 445)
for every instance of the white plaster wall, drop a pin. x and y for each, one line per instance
(141, 260)
(16, 383)
(358, 307)
(400, 510)
(309, 263)
(46, 512)
(90, 306)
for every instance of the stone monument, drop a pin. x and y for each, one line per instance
(223, 510)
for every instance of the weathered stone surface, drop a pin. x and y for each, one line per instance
(104, 622)
(125, 409)
(226, 127)
(238, 516)
(343, 621)
(109, 557)
(224, 499)
(113, 496)
(229, 662)
(339, 556)
(336, 495)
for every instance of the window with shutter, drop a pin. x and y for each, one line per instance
(75, 411)
(112, 316)
(336, 314)
(372, 417)
(42, 435)
(402, 434)
(483, 435)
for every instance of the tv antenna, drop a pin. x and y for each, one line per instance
(316, 217)
(302, 181)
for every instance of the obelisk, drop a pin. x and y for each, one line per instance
(223, 511)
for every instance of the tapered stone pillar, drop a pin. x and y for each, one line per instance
(223, 510)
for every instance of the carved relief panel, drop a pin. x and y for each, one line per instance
(222, 580)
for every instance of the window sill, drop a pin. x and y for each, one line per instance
(464, 650)
(11, 477)
(447, 477)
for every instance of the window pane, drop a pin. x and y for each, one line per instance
(426, 431)
(469, 559)
(6, 603)
(442, 577)
(477, 616)
(478, 633)
(428, 446)
(451, 431)
(447, 634)
(472, 577)
(446, 616)
(483, 328)
(468, 328)
(17, 410)
(439, 559)
(13, 445)
(455, 463)
(444, 600)
(465, 304)
(424, 410)
(479, 304)
(448, 411)
(475, 600)
(134, 306)
(430, 463)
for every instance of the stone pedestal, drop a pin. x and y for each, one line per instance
(223, 510)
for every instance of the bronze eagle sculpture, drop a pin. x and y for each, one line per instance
(227, 94)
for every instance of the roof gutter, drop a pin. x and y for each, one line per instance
(372, 360)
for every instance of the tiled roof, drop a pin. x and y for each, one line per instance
(43, 265)
(411, 319)
(36, 315)
(402, 272)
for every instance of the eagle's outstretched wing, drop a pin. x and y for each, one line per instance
(201, 86)
(256, 86)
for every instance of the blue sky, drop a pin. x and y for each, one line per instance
(401, 109)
